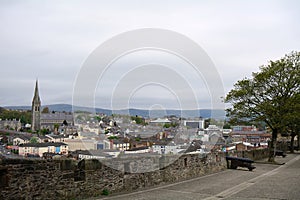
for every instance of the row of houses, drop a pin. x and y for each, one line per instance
(38, 149)
(212, 136)
(11, 124)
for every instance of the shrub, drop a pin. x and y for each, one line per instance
(105, 192)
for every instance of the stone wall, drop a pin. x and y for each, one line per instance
(257, 154)
(70, 179)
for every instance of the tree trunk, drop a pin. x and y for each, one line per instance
(272, 146)
(292, 142)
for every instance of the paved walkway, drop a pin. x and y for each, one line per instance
(265, 182)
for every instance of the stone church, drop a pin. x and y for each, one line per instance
(47, 120)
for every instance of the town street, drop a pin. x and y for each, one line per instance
(265, 182)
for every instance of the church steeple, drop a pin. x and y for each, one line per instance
(36, 109)
(36, 97)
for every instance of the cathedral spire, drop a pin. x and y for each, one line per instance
(36, 96)
(36, 109)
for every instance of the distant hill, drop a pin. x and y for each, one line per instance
(52, 107)
(18, 107)
(205, 113)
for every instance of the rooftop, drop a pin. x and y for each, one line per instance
(47, 144)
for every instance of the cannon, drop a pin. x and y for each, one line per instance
(239, 162)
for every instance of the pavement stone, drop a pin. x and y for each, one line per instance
(267, 181)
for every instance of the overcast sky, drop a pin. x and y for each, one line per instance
(50, 40)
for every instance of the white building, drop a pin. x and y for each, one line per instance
(194, 123)
(120, 145)
(40, 148)
(160, 121)
(165, 149)
(84, 144)
(214, 133)
(138, 150)
(21, 139)
(97, 154)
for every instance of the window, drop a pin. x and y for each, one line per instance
(185, 162)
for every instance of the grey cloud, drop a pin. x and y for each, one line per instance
(51, 40)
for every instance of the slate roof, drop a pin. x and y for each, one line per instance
(23, 137)
(47, 144)
(57, 116)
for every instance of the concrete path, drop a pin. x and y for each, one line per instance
(265, 182)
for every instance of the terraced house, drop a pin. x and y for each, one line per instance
(40, 148)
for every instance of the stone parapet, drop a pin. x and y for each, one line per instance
(71, 179)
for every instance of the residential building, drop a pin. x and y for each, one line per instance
(242, 146)
(136, 150)
(120, 144)
(194, 123)
(214, 133)
(249, 134)
(160, 121)
(81, 144)
(165, 148)
(10, 124)
(21, 139)
(94, 154)
(56, 138)
(67, 130)
(40, 148)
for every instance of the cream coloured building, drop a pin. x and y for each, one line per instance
(40, 148)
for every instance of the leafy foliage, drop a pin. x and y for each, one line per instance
(45, 110)
(112, 137)
(139, 120)
(271, 95)
(24, 116)
(45, 131)
(172, 124)
(33, 140)
(105, 192)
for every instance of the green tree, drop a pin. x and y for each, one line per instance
(267, 95)
(292, 118)
(112, 137)
(24, 116)
(98, 118)
(33, 140)
(45, 110)
(45, 131)
(139, 120)
(56, 127)
(167, 125)
(226, 126)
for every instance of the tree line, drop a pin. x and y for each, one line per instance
(23, 116)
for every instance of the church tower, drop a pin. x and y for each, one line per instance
(36, 109)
